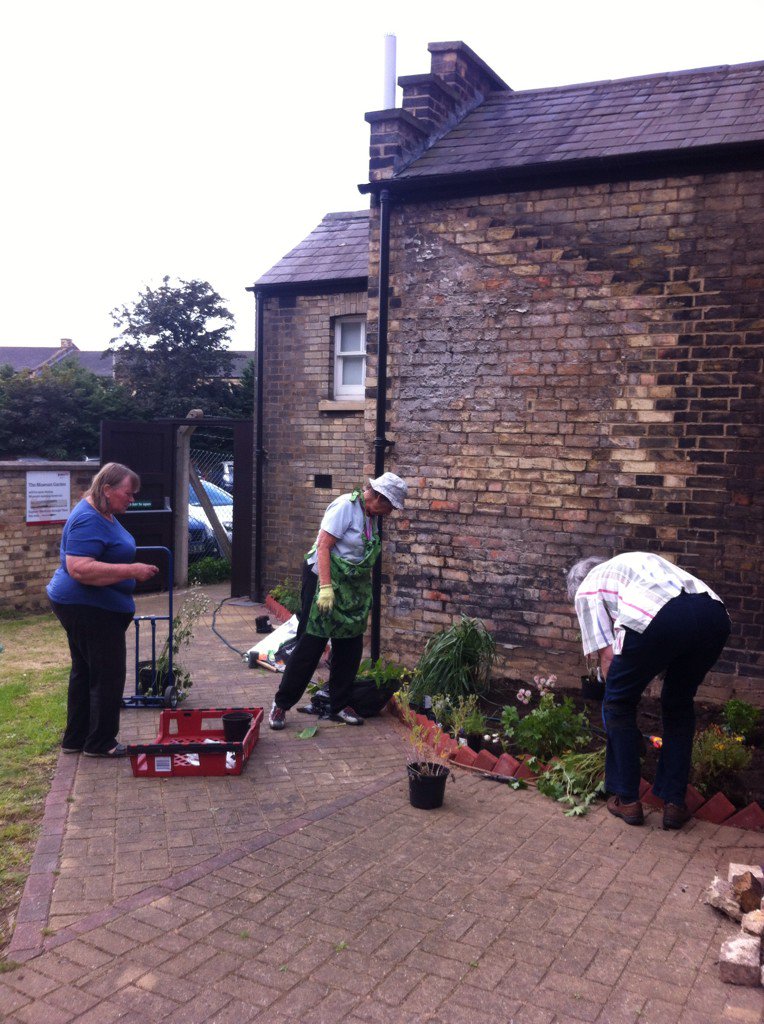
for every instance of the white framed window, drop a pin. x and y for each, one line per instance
(350, 357)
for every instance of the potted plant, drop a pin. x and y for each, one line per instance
(455, 662)
(474, 728)
(156, 677)
(427, 778)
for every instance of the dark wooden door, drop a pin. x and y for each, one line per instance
(149, 450)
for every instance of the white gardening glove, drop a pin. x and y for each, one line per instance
(325, 600)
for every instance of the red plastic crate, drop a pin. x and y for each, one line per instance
(192, 743)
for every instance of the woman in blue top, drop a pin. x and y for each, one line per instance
(91, 594)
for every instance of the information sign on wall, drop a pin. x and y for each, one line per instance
(48, 497)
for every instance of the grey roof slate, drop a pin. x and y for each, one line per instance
(26, 357)
(336, 250)
(630, 116)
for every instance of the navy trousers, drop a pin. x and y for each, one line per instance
(303, 661)
(97, 678)
(684, 640)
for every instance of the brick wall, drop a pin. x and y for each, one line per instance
(29, 553)
(301, 440)
(575, 371)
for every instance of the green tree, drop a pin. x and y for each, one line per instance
(58, 414)
(170, 350)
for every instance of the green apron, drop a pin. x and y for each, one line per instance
(351, 582)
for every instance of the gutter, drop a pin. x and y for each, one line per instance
(261, 454)
(380, 440)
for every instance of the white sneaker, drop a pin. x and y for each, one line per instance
(348, 716)
(277, 718)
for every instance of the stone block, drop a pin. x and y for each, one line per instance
(721, 896)
(748, 891)
(740, 960)
(753, 922)
(485, 761)
(738, 869)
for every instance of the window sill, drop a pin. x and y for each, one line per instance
(342, 405)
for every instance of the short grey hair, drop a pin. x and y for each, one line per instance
(578, 572)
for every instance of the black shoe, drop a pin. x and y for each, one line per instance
(71, 750)
(348, 716)
(119, 751)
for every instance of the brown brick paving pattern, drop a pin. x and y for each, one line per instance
(309, 890)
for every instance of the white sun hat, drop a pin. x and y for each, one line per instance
(391, 487)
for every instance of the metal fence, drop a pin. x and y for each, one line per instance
(215, 469)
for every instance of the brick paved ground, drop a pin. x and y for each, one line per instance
(307, 889)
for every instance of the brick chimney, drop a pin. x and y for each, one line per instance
(432, 104)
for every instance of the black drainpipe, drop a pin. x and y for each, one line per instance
(380, 441)
(260, 453)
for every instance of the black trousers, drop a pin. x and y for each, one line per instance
(304, 659)
(97, 677)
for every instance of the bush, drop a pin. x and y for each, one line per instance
(716, 758)
(549, 730)
(741, 718)
(287, 594)
(455, 662)
(209, 570)
(384, 674)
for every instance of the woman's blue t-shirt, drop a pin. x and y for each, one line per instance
(88, 534)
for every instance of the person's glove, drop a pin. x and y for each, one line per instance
(325, 601)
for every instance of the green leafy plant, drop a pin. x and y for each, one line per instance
(458, 711)
(183, 625)
(209, 570)
(287, 594)
(716, 758)
(385, 674)
(455, 662)
(576, 780)
(740, 718)
(549, 730)
(307, 733)
(475, 723)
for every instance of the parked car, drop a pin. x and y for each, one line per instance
(201, 537)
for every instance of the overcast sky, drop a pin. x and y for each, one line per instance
(205, 140)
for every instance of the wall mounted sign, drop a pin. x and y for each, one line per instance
(48, 497)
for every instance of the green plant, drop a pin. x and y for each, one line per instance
(549, 730)
(576, 779)
(457, 712)
(385, 674)
(740, 718)
(209, 570)
(287, 594)
(455, 662)
(716, 757)
(475, 723)
(183, 625)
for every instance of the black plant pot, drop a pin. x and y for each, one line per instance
(592, 689)
(426, 792)
(475, 741)
(236, 725)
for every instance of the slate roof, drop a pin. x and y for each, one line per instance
(26, 357)
(626, 117)
(336, 250)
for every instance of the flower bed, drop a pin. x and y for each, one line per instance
(740, 806)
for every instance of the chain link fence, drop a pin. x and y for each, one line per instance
(215, 469)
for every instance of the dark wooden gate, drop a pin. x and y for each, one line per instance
(149, 449)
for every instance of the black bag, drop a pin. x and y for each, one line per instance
(365, 698)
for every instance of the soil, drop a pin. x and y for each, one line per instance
(742, 789)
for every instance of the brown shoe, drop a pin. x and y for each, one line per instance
(675, 816)
(631, 813)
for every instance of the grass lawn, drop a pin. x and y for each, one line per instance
(34, 671)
